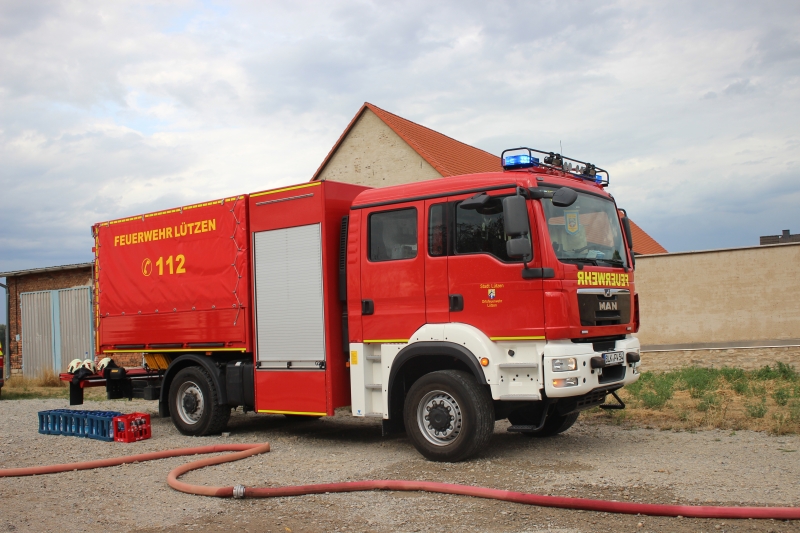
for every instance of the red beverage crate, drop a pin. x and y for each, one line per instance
(131, 428)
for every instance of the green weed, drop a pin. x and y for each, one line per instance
(781, 371)
(756, 409)
(781, 396)
(709, 401)
(794, 410)
(657, 390)
(740, 387)
(732, 375)
(759, 390)
(698, 380)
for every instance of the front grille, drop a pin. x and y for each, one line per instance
(604, 307)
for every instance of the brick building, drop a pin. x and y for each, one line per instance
(784, 238)
(38, 284)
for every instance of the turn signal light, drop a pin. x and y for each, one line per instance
(484, 361)
(568, 382)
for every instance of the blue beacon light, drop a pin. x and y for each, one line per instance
(519, 161)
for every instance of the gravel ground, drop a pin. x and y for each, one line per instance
(608, 462)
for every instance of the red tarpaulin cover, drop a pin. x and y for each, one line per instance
(176, 276)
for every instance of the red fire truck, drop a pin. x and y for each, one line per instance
(438, 307)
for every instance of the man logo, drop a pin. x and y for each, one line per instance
(608, 306)
(607, 293)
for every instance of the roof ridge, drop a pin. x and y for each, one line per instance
(430, 158)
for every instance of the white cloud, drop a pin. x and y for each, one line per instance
(109, 109)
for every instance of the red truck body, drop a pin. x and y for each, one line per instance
(304, 299)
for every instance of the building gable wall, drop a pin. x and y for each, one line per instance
(372, 154)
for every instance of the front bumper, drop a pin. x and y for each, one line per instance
(585, 379)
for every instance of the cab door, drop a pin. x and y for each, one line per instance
(392, 272)
(486, 288)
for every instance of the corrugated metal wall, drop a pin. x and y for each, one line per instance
(37, 333)
(75, 306)
(56, 328)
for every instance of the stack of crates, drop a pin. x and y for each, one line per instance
(97, 425)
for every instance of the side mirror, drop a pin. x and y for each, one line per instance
(564, 197)
(519, 248)
(515, 216)
(626, 223)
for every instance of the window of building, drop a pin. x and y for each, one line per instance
(393, 235)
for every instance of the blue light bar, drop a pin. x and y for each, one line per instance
(519, 161)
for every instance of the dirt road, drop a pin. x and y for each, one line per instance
(602, 461)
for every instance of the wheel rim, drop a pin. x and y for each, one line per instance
(190, 403)
(439, 418)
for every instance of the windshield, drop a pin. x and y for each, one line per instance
(588, 231)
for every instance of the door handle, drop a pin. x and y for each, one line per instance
(367, 307)
(456, 302)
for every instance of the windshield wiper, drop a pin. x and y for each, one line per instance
(614, 262)
(579, 260)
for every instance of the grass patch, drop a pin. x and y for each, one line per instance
(766, 399)
(43, 387)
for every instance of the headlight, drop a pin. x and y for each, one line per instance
(569, 382)
(565, 365)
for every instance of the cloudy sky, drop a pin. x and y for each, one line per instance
(110, 109)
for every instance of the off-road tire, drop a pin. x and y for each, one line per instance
(208, 417)
(460, 392)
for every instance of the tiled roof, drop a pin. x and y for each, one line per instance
(448, 156)
(644, 243)
(453, 158)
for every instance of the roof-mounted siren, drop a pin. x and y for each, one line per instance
(517, 161)
(580, 169)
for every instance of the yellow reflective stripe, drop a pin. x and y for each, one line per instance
(386, 341)
(180, 350)
(535, 338)
(270, 411)
(275, 191)
(221, 201)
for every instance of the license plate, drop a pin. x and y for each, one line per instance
(613, 358)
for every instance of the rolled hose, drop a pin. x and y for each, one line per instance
(247, 450)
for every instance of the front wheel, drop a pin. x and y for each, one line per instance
(448, 416)
(193, 403)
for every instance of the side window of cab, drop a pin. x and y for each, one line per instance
(482, 230)
(393, 235)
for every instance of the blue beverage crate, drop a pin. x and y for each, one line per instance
(92, 424)
(100, 425)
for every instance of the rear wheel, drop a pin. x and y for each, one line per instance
(193, 403)
(448, 416)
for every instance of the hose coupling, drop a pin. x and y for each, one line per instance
(238, 491)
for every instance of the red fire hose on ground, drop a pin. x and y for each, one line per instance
(247, 450)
